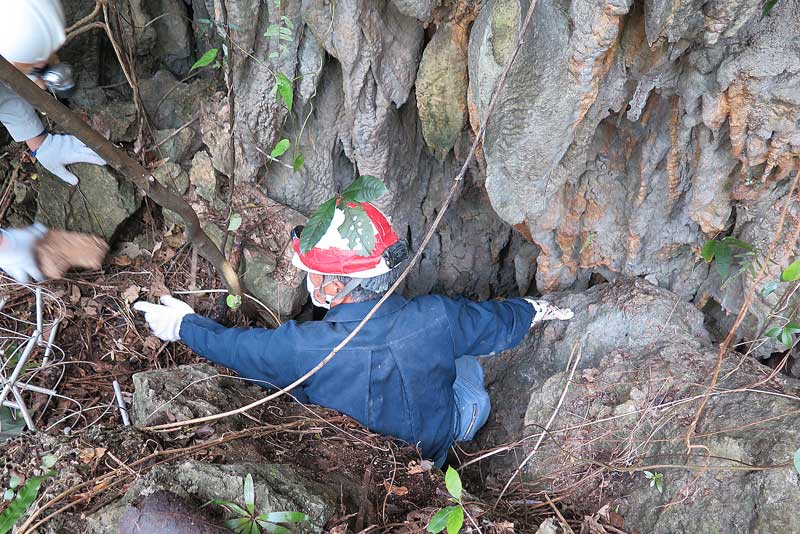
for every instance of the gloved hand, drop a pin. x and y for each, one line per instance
(165, 319)
(547, 312)
(17, 256)
(58, 151)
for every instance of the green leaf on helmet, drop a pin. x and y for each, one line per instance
(364, 189)
(357, 229)
(317, 225)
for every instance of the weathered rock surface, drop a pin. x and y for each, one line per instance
(645, 357)
(626, 127)
(99, 205)
(278, 488)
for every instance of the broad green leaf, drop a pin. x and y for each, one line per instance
(249, 494)
(797, 460)
(792, 328)
(235, 223)
(648, 474)
(723, 257)
(49, 460)
(440, 519)
(364, 189)
(659, 486)
(233, 302)
(768, 8)
(709, 250)
(19, 506)
(284, 517)
(455, 521)
(298, 162)
(281, 148)
(357, 229)
(272, 528)
(285, 90)
(10, 426)
(317, 225)
(8, 495)
(786, 338)
(453, 483)
(769, 288)
(206, 59)
(236, 509)
(732, 241)
(774, 331)
(792, 272)
(14, 481)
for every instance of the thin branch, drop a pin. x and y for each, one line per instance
(123, 163)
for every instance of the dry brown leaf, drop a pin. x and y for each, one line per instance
(131, 294)
(395, 490)
(91, 308)
(122, 261)
(90, 454)
(152, 344)
(415, 469)
(158, 288)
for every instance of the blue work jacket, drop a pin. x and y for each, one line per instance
(395, 377)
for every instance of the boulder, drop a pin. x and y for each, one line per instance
(99, 204)
(190, 391)
(278, 488)
(644, 360)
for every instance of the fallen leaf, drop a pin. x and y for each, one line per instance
(395, 490)
(616, 520)
(122, 261)
(158, 287)
(423, 466)
(130, 249)
(90, 308)
(152, 344)
(131, 294)
(90, 454)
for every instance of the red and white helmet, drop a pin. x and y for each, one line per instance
(332, 255)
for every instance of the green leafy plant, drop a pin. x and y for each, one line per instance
(206, 59)
(748, 257)
(22, 497)
(356, 222)
(449, 517)
(768, 5)
(656, 480)
(234, 302)
(247, 522)
(784, 333)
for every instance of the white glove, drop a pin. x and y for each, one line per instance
(58, 151)
(17, 256)
(547, 312)
(165, 319)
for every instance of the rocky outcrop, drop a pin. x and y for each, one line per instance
(627, 129)
(645, 358)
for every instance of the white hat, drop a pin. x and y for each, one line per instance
(31, 30)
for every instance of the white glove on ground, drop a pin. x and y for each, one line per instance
(17, 256)
(58, 151)
(547, 312)
(165, 319)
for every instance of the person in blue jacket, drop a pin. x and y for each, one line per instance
(411, 373)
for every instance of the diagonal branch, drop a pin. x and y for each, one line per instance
(442, 209)
(122, 163)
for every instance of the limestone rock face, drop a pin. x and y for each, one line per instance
(645, 358)
(626, 129)
(442, 87)
(99, 205)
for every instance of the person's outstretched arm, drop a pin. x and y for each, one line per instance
(244, 350)
(486, 328)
